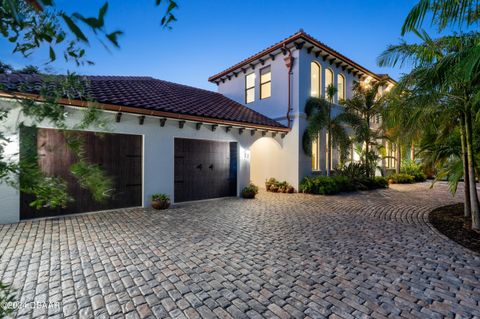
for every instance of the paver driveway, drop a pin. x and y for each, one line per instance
(369, 254)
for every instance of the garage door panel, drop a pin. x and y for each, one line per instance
(206, 169)
(119, 155)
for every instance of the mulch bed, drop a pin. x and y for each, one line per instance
(449, 221)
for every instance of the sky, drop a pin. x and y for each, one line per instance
(212, 35)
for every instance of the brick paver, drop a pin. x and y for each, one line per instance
(367, 254)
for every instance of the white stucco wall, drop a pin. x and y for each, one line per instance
(294, 164)
(275, 106)
(158, 159)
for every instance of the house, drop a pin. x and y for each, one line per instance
(277, 82)
(189, 143)
(162, 137)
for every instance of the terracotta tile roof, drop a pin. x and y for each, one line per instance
(297, 37)
(147, 93)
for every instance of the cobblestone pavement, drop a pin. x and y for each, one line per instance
(368, 254)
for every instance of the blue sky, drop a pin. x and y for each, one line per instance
(211, 35)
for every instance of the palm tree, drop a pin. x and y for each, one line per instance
(320, 117)
(437, 91)
(450, 14)
(367, 105)
(444, 13)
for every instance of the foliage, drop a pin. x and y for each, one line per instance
(324, 185)
(250, 191)
(93, 178)
(400, 178)
(440, 97)
(5, 68)
(251, 188)
(29, 69)
(329, 185)
(319, 117)
(444, 13)
(380, 182)
(273, 185)
(51, 191)
(160, 197)
(366, 105)
(6, 296)
(353, 170)
(31, 25)
(413, 169)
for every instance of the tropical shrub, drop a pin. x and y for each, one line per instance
(329, 185)
(401, 178)
(325, 185)
(354, 171)
(376, 182)
(413, 169)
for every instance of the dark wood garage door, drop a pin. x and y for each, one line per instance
(204, 169)
(120, 156)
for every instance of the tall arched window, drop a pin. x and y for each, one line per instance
(315, 79)
(328, 79)
(316, 153)
(341, 87)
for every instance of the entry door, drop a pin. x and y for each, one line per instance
(119, 155)
(204, 169)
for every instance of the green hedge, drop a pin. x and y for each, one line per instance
(413, 169)
(401, 178)
(329, 185)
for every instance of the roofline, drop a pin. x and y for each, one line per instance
(299, 35)
(140, 111)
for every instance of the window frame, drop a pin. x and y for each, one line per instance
(267, 82)
(251, 87)
(319, 75)
(318, 152)
(344, 91)
(333, 81)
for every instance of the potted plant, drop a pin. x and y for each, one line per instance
(268, 183)
(250, 191)
(160, 201)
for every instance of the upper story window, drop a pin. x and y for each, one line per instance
(265, 82)
(328, 79)
(341, 87)
(315, 79)
(250, 88)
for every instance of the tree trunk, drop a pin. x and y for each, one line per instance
(471, 171)
(398, 155)
(329, 140)
(329, 152)
(367, 147)
(467, 207)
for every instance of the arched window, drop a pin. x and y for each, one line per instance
(315, 79)
(316, 153)
(328, 80)
(341, 87)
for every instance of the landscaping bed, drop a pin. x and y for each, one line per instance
(449, 220)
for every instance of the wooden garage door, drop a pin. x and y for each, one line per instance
(204, 169)
(119, 155)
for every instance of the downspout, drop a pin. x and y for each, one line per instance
(289, 64)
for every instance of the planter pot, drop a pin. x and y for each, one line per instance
(160, 204)
(248, 195)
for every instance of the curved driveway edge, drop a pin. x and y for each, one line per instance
(366, 254)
